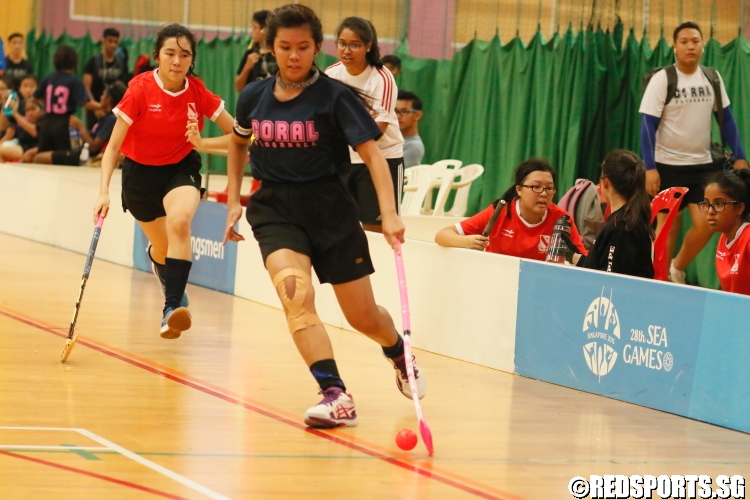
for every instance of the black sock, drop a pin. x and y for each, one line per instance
(176, 276)
(396, 350)
(161, 268)
(326, 374)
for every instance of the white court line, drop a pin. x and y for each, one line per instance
(109, 445)
(67, 448)
(153, 466)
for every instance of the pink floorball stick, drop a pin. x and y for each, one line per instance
(424, 430)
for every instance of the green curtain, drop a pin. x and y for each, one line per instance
(570, 100)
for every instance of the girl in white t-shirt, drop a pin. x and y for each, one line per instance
(360, 67)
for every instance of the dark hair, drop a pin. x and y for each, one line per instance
(392, 60)
(735, 184)
(261, 17)
(15, 35)
(405, 95)
(65, 58)
(116, 91)
(34, 101)
(28, 76)
(366, 31)
(522, 171)
(683, 26)
(177, 31)
(111, 32)
(627, 174)
(293, 16)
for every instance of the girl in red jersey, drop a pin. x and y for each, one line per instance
(524, 227)
(158, 122)
(726, 203)
(360, 66)
(302, 124)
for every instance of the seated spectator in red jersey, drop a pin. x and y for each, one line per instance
(726, 203)
(524, 226)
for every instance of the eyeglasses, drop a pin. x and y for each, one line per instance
(718, 205)
(354, 47)
(405, 111)
(540, 189)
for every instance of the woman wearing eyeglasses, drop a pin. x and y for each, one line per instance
(625, 243)
(524, 226)
(360, 67)
(726, 203)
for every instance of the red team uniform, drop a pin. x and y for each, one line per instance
(148, 107)
(733, 262)
(514, 236)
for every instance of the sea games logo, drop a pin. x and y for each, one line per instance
(602, 328)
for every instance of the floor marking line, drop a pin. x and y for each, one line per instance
(66, 448)
(92, 474)
(399, 462)
(153, 466)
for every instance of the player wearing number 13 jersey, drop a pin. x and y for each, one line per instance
(159, 120)
(63, 93)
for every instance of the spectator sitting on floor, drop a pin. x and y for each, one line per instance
(25, 136)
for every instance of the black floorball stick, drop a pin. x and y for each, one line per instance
(70, 342)
(493, 219)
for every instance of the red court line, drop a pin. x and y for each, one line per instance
(461, 483)
(93, 474)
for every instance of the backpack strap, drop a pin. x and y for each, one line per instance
(671, 82)
(713, 77)
(570, 199)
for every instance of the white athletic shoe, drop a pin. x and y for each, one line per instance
(402, 379)
(175, 322)
(675, 275)
(335, 410)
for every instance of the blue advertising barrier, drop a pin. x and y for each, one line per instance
(214, 265)
(629, 339)
(678, 349)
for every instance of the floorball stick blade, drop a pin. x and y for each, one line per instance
(426, 436)
(69, 345)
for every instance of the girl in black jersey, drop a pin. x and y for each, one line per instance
(302, 123)
(625, 244)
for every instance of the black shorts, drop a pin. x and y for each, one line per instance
(692, 177)
(54, 134)
(359, 183)
(69, 157)
(315, 218)
(144, 187)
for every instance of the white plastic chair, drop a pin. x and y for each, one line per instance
(417, 182)
(445, 170)
(467, 174)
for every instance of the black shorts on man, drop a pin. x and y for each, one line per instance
(144, 186)
(316, 218)
(359, 183)
(692, 177)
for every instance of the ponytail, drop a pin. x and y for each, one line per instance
(627, 174)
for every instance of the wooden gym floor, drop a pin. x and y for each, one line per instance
(217, 413)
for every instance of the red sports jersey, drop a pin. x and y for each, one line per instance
(158, 118)
(733, 262)
(515, 236)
